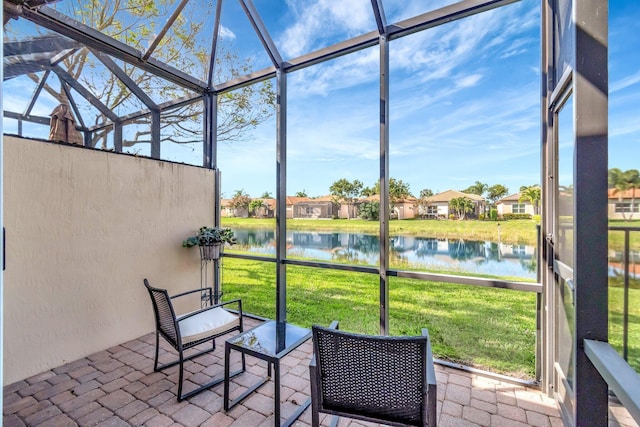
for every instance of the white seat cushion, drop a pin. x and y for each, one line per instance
(206, 324)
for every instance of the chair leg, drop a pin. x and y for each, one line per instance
(315, 416)
(214, 382)
(180, 377)
(155, 363)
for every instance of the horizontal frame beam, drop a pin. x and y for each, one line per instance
(435, 277)
(621, 378)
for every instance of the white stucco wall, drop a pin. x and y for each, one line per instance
(83, 228)
(507, 208)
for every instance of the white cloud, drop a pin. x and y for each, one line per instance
(349, 71)
(468, 81)
(226, 33)
(316, 20)
(625, 82)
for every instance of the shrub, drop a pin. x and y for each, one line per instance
(370, 211)
(509, 216)
(493, 213)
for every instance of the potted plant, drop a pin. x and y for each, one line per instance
(211, 240)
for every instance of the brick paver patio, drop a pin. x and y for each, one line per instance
(117, 387)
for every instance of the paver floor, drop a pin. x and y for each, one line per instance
(117, 387)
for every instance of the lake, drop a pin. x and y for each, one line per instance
(451, 255)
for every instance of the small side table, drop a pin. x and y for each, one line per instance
(270, 341)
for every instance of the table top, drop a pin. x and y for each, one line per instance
(271, 338)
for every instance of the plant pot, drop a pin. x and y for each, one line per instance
(211, 252)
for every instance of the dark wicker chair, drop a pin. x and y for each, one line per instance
(389, 380)
(192, 329)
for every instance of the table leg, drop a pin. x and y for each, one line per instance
(276, 392)
(227, 350)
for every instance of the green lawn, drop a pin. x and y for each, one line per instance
(491, 329)
(616, 311)
(616, 238)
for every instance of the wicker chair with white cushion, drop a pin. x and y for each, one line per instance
(191, 329)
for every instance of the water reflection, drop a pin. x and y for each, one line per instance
(454, 255)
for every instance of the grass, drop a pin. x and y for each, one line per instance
(616, 311)
(616, 238)
(492, 329)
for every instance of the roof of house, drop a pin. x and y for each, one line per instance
(447, 196)
(327, 198)
(626, 194)
(292, 200)
(512, 198)
(270, 203)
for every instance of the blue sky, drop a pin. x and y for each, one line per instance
(464, 99)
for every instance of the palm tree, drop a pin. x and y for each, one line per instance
(462, 206)
(532, 194)
(255, 206)
(478, 188)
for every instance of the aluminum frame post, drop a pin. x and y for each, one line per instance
(281, 197)
(590, 82)
(117, 137)
(384, 185)
(209, 149)
(155, 134)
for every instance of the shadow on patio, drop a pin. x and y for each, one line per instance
(117, 387)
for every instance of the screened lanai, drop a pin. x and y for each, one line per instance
(173, 107)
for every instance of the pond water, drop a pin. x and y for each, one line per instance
(429, 254)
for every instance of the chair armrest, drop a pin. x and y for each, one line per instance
(193, 313)
(334, 325)
(431, 371)
(233, 301)
(312, 362)
(207, 289)
(431, 386)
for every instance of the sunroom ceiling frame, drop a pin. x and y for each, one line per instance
(261, 30)
(126, 79)
(400, 29)
(72, 101)
(68, 78)
(96, 40)
(36, 92)
(381, 19)
(39, 45)
(76, 30)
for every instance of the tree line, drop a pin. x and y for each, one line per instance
(347, 192)
(343, 191)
